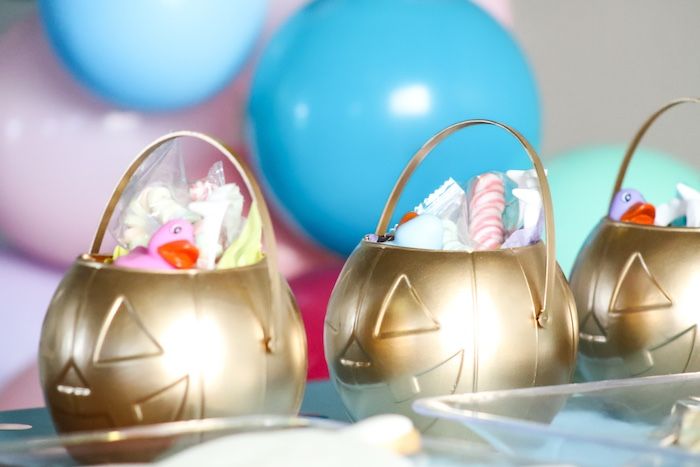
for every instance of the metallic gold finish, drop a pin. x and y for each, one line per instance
(123, 347)
(636, 287)
(405, 323)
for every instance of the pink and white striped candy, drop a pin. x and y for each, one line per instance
(486, 206)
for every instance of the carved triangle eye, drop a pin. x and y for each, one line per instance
(637, 289)
(123, 336)
(403, 312)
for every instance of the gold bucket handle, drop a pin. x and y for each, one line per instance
(638, 138)
(268, 234)
(423, 152)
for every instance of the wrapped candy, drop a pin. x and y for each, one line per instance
(444, 201)
(684, 210)
(423, 231)
(246, 248)
(501, 211)
(451, 238)
(523, 179)
(486, 206)
(152, 207)
(201, 189)
(667, 213)
(691, 199)
(159, 193)
(221, 216)
(156, 194)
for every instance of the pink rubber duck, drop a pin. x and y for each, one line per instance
(171, 247)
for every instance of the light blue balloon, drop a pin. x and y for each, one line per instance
(153, 54)
(348, 90)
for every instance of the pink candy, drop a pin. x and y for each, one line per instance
(486, 207)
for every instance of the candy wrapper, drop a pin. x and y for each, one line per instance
(487, 202)
(212, 209)
(495, 211)
(682, 211)
(246, 249)
(220, 206)
(449, 204)
(157, 193)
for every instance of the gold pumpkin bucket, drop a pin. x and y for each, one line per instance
(638, 288)
(404, 323)
(124, 347)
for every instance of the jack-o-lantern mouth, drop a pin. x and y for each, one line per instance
(354, 364)
(181, 254)
(73, 390)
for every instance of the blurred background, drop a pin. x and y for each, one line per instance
(327, 100)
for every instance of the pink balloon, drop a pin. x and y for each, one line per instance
(26, 292)
(297, 254)
(62, 150)
(499, 9)
(23, 390)
(312, 291)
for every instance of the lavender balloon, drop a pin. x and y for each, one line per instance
(623, 201)
(27, 289)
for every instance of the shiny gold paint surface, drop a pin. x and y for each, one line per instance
(448, 322)
(637, 289)
(123, 347)
(405, 323)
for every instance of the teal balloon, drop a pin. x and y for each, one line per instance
(582, 181)
(348, 90)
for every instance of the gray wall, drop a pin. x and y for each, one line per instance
(602, 67)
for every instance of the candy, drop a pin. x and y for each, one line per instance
(424, 231)
(231, 194)
(208, 231)
(668, 213)
(119, 251)
(531, 205)
(691, 199)
(486, 206)
(451, 237)
(246, 249)
(533, 218)
(524, 179)
(221, 220)
(171, 247)
(443, 201)
(201, 189)
(525, 236)
(154, 206)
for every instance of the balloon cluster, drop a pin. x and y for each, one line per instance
(337, 103)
